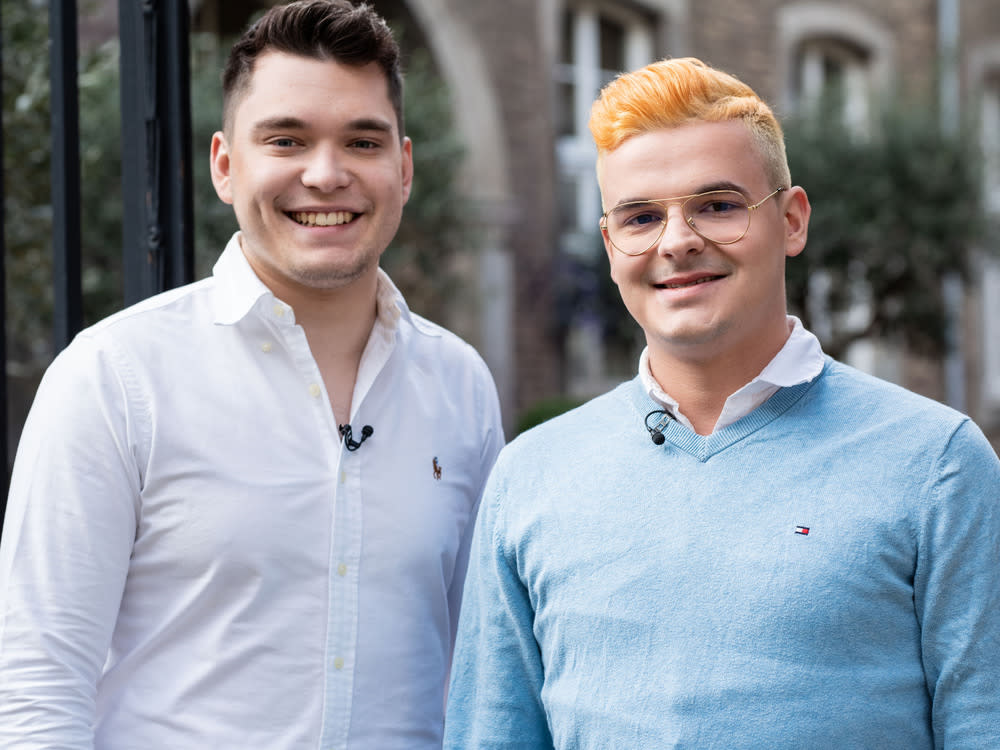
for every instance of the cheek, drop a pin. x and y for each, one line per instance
(259, 179)
(613, 272)
(625, 271)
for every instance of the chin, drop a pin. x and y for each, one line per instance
(687, 338)
(326, 276)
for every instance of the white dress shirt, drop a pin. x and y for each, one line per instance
(799, 361)
(192, 559)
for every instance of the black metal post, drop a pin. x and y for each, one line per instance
(4, 426)
(157, 227)
(68, 306)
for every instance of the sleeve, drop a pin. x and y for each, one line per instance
(488, 418)
(495, 696)
(64, 554)
(957, 593)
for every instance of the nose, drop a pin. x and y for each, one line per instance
(678, 237)
(324, 170)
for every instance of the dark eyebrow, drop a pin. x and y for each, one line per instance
(371, 123)
(278, 123)
(362, 124)
(708, 187)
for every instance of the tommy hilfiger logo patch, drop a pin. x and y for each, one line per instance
(437, 468)
(804, 530)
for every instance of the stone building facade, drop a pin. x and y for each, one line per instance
(522, 74)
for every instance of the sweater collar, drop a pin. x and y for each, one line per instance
(800, 360)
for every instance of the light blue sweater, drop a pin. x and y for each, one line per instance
(824, 573)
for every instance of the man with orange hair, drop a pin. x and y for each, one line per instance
(748, 545)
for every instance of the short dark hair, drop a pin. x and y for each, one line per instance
(319, 29)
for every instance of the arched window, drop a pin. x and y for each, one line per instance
(833, 77)
(833, 59)
(596, 42)
(593, 43)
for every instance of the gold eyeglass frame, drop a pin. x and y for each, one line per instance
(683, 199)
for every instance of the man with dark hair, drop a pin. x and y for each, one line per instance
(240, 511)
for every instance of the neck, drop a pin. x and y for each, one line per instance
(701, 382)
(336, 320)
(337, 324)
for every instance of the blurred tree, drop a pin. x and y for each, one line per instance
(435, 225)
(892, 214)
(27, 201)
(438, 223)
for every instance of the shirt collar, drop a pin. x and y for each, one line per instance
(800, 360)
(238, 289)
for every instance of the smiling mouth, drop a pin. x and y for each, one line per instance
(313, 219)
(685, 285)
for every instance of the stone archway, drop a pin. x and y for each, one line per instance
(486, 179)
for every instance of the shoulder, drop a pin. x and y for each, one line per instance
(870, 415)
(170, 310)
(141, 336)
(436, 348)
(867, 397)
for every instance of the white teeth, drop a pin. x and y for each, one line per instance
(312, 219)
(690, 283)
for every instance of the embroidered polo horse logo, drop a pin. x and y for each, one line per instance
(437, 468)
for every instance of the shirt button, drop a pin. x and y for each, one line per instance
(265, 347)
(279, 310)
(314, 390)
(338, 663)
(343, 476)
(342, 570)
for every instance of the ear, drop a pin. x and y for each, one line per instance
(219, 165)
(797, 211)
(407, 168)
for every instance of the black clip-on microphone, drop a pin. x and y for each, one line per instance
(352, 445)
(656, 431)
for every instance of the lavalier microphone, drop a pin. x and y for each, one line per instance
(656, 431)
(352, 445)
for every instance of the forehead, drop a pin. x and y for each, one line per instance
(312, 90)
(682, 160)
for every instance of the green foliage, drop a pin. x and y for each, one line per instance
(892, 214)
(214, 221)
(28, 208)
(434, 226)
(545, 410)
(100, 177)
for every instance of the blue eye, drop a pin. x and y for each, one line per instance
(646, 218)
(715, 207)
(637, 217)
(716, 204)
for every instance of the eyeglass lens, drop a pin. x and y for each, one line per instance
(721, 216)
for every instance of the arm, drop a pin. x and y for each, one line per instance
(497, 676)
(957, 593)
(487, 414)
(70, 522)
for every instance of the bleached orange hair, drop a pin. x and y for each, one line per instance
(673, 92)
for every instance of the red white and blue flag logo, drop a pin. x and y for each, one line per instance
(804, 530)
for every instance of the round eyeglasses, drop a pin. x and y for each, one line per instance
(720, 216)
